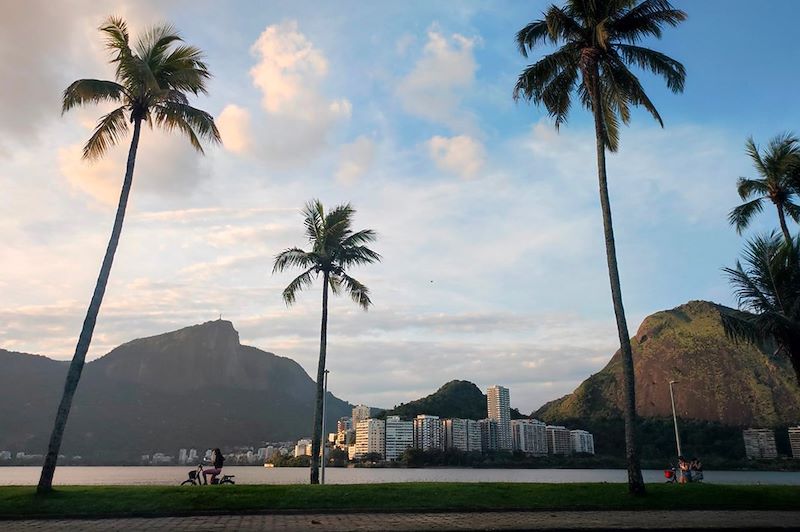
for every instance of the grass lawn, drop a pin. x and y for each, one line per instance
(97, 501)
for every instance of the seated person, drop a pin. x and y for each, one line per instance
(217, 460)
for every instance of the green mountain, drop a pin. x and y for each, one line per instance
(455, 399)
(718, 380)
(195, 387)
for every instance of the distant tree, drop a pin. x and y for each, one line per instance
(768, 289)
(334, 249)
(153, 79)
(599, 41)
(777, 167)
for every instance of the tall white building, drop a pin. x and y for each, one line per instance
(427, 432)
(192, 458)
(399, 437)
(303, 447)
(360, 413)
(489, 440)
(182, 456)
(344, 423)
(454, 432)
(498, 406)
(558, 440)
(529, 436)
(474, 436)
(582, 441)
(370, 437)
(759, 443)
(794, 441)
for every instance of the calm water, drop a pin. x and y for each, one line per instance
(296, 475)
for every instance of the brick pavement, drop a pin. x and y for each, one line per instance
(390, 522)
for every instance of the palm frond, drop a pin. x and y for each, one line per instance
(562, 26)
(622, 84)
(355, 256)
(748, 188)
(184, 70)
(358, 292)
(673, 72)
(313, 219)
(792, 210)
(107, 133)
(741, 216)
(292, 257)
(645, 20)
(534, 78)
(531, 35)
(304, 280)
(359, 238)
(751, 148)
(191, 121)
(85, 91)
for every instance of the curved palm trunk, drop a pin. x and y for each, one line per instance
(635, 481)
(85, 338)
(316, 440)
(784, 227)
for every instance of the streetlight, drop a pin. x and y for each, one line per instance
(322, 447)
(675, 418)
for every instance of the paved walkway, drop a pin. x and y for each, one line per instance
(434, 521)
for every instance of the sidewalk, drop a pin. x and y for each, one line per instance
(386, 522)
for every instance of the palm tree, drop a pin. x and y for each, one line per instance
(599, 41)
(768, 289)
(152, 81)
(334, 249)
(777, 167)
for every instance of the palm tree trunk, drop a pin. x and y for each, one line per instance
(784, 228)
(316, 440)
(85, 338)
(635, 481)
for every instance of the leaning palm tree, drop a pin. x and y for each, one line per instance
(599, 42)
(777, 167)
(334, 249)
(153, 78)
(768, 290)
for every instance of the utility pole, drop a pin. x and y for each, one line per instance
(675, 418)
(322, 447)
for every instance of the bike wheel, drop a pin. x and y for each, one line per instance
(187, 482)
(227, 481)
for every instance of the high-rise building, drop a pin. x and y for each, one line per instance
(794, 441)
(759, 443)
(558, 440)
(360, 413)
(454, 432)
(399, 437)
(489, 441)
(344, 423)
(529, 436)
(303, 447)
(474, 436)
(582, 441)
(182, 456)
(498, 406)
(192, 458)
(427, 432)
(370, 437)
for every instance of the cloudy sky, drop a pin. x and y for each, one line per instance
(494, 268)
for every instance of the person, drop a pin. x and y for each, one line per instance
(683, 466)
(216, 460)
(697, 470)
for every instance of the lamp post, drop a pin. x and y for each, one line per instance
(675, 418)
(322, 447)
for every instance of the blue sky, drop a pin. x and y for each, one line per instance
(494, 266)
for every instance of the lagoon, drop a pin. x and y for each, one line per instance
(173, 475)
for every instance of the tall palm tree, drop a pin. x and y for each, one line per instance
(768, 289)
(153, 78)
(599, 42)
(777, 167)
(334, 249)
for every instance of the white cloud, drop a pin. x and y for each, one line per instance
(296, 116)
(461, 155)
(355, 160)
(434, 87)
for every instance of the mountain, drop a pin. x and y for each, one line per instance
(195, 387)
(718, 380)
(459, 399)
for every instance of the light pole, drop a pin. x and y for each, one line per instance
(675, 418)
(322, 447)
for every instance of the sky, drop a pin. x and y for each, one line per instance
(493, 264)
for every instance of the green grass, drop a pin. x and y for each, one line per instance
(102, 501)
